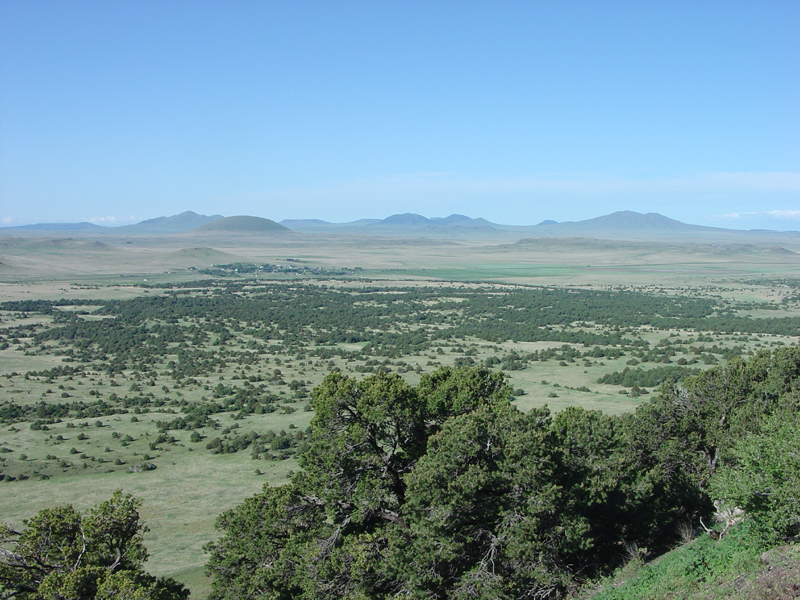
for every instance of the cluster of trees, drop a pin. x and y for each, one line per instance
(646, 377)
(392, 321)
(64, 555)
(279, 445)
(235, 269)
(445, 490)
(51, 412)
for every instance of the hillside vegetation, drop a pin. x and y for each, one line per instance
(445, 490)
(744, 565)
(191, 395)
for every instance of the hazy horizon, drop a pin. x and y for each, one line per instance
(434, 217)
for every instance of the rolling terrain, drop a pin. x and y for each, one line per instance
(244, 317)
(595, 251)
(619, 225)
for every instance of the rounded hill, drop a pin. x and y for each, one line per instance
(240, 224)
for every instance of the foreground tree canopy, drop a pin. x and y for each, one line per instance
(63, 555)
(446, 490)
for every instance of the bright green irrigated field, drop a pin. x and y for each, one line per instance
(117, 400)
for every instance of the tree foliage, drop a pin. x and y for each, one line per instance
(445, 490)
(762, 475)
(442, 490)
(726, 436)
(64, 555)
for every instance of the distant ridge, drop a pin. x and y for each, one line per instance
(398, 224)
(303, 222)
(624, 222)
(404, 219)
(628, 219)
(240, 224)
(414, 220)
(175, 224)
(454, 218)
(82, 226)
(185, 221)
(619, 225)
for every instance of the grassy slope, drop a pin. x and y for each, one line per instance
(181, 501)
(741, 566)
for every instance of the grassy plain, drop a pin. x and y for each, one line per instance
(71, 459)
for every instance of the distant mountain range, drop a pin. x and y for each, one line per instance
(623, 225)
(55, 227)
(240, 224)
(618, 225)
(401, 223)
(186, 221)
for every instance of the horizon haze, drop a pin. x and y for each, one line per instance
(190, 221)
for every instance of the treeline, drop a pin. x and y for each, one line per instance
(390, 322)
(269, 445)
(53, 412)
(516, 361)
(445, 490)
(647, 377)
(236, 269)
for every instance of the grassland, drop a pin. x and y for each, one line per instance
(740, 566)
(408, 306)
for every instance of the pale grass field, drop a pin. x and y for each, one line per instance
(181, 498)
(181, 501)
(542, 261)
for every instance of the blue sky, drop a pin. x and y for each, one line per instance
(514, 111)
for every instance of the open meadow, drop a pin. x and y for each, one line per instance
(181, 369)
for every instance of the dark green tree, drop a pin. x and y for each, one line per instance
(268, 537)
(484, 513)
(761, 473)
(367, 436)
(64, 555)
(679, 441)
(443, 490)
